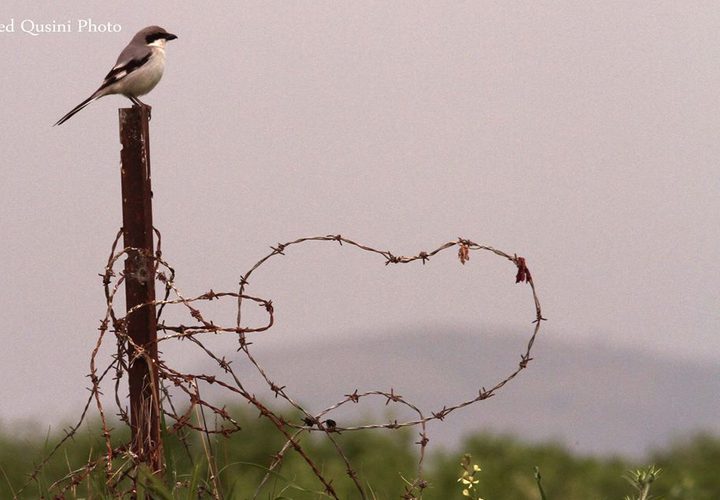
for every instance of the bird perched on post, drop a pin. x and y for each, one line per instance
(137, 70)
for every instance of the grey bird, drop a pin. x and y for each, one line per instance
(137, 70)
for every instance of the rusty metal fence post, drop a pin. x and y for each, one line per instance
(140, 286)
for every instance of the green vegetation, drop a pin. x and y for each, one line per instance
(488, 466)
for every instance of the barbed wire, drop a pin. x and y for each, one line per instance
(188, 384)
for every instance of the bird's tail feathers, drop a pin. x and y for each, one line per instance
(98, 94)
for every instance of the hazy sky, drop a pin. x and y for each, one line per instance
(581, 135)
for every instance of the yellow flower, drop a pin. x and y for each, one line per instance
(469, 481)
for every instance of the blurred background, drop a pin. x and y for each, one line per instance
(581, 136)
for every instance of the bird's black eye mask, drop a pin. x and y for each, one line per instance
(158, 36)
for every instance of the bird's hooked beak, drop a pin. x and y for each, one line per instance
(170, 36)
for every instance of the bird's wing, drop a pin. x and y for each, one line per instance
(129, 60)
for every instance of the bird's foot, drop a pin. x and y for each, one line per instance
(138, 103)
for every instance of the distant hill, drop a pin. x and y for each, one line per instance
(592, 398)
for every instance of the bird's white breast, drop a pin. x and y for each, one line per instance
(144, 79)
